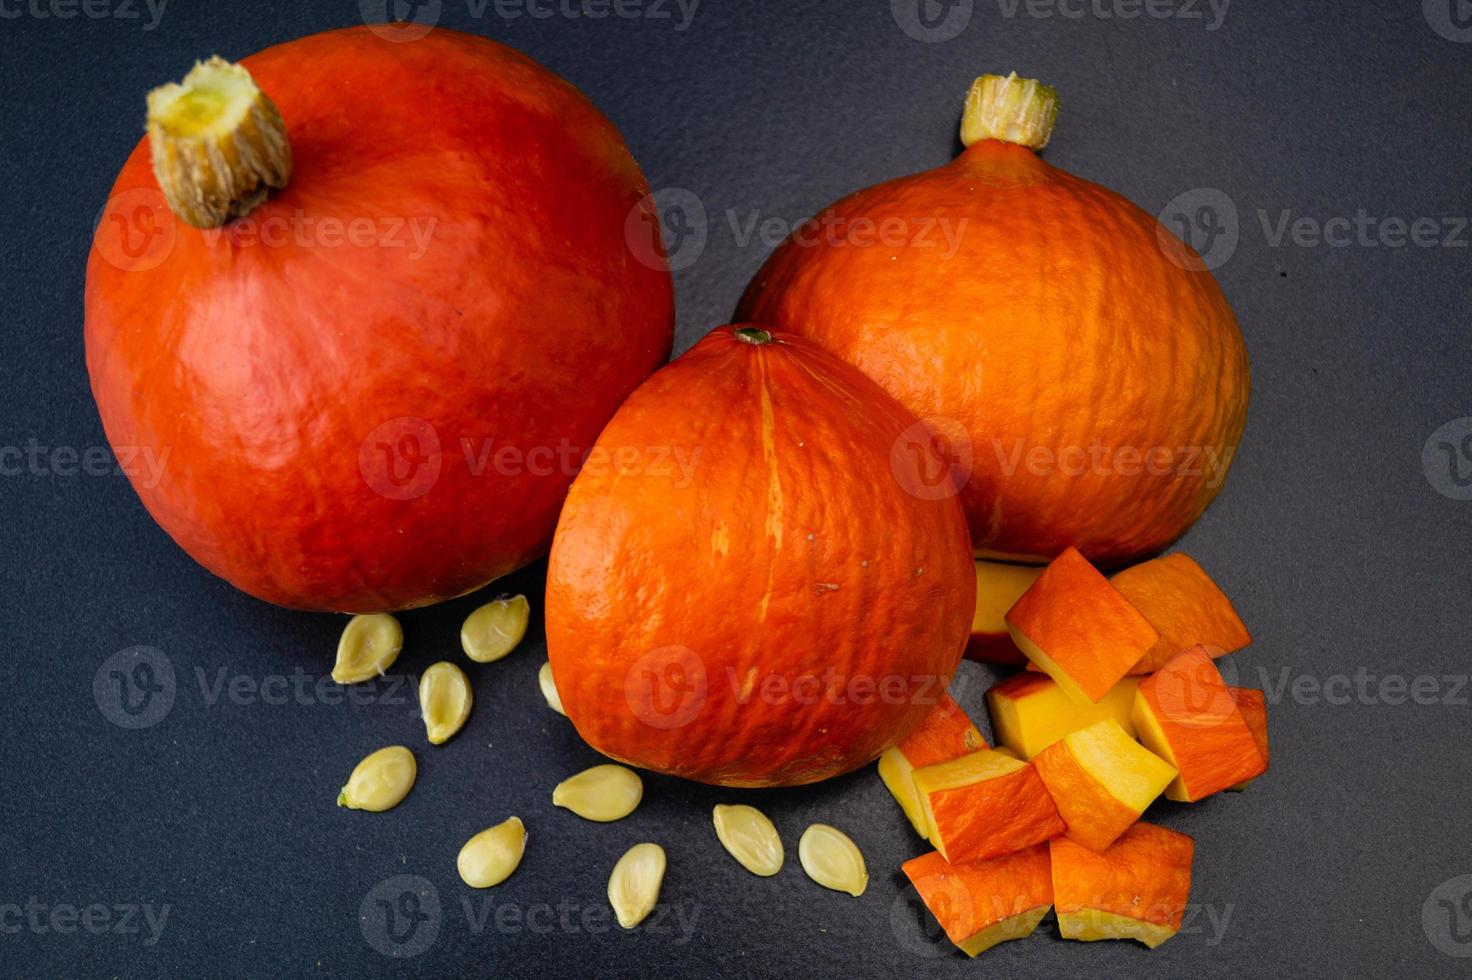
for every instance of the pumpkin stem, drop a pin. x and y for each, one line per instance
(753, 335)
(1012, 109)
(218, 143)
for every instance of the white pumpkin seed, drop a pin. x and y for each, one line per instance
(832, 860)
(603, 793)
(749, 837)
(444, 701)
(549, 689)
(492, 855)
(494, 630)
(633, 888)
(381, 781)
(368, 646)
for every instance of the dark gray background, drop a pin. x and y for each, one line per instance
(1343, 544)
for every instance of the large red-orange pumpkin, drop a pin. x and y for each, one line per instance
(1079, 364)
(752, 581)
(372, 390)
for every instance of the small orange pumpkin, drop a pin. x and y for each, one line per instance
(750, 583)
(1077, 359)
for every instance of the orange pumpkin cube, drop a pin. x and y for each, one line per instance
(1185, 714)
(1184, 605)
(985, 804)
(944, 734)
(1137, 889)
(998, 587)
(982, 903)
(1102, 781)
(1079, 629)
(1030, 711)
(1254, 708)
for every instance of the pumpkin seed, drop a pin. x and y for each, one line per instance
(444, 701)
(368, 646)
(832, 860)
(549, 689)
(603, 793)
(492, 855)
(381, 781)
(633, 888)
(749, 837)
(494, 630)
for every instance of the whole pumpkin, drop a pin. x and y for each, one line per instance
(751, 583)
(371, 384)
(1079, 365)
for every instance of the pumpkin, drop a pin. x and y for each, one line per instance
(372, 345)
(1080, 367)
(750, 584)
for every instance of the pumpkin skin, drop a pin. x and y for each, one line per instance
(331, 411)
(780, 607)
(1065, 319)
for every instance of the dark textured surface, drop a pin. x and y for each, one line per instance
(1342, 543)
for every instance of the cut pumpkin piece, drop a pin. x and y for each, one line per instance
(1079, 629)
(985, 804)
(1102, 781)
(1184, 605)
(1185, 713)
(1137, 889)
(982, 903)
(998, 587)
(1254, 708)
(1030, 711)
(944, 734)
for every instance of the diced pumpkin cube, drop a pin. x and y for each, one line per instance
(998, 586)
(1185, 714)
(1079, 629)
(1030, 711)
(1102, 781)
(1137, 889)
(982, 903)
(1254, 708)
(945, 733)
(985, 804)
(1184, 605)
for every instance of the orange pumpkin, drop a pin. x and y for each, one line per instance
(370, 389)
(750, 585)
(1077, 362)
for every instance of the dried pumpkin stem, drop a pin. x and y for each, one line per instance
(219, 145)
(1011, 109)
(753, 335)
